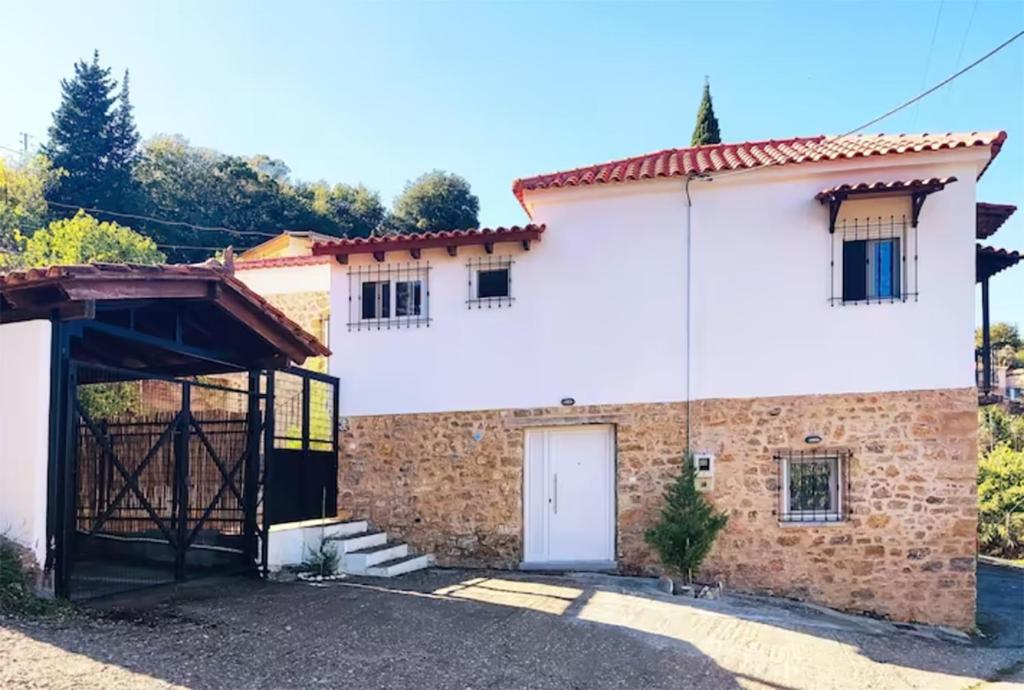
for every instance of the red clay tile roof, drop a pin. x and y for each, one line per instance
(990, 217)
(426, 240)
(748, 155)
(209, 271)
(992, 260)
(244, 265)
(884, 188)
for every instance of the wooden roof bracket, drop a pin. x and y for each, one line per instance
(916, 202)
(835, 201)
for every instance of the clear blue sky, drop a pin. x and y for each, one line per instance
(379, 93)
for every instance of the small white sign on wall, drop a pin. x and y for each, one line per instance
(705, 464)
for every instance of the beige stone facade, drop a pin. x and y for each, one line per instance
(311, 310)
(451, 484)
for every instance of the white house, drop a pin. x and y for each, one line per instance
(798, 313)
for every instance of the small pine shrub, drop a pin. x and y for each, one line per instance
(688, 525)
(323, 560)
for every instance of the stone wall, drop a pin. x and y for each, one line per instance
(451, 484)
(311, 310)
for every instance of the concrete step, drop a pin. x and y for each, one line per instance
(356, 562)
(358, 542)
(400, 566)
(346, 529)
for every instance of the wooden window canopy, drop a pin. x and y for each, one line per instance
(992, 260)
(917, 190)
(450, 240)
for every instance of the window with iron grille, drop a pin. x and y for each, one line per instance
(874, 261)
(490, 281)
(385, 296)
(813, 486)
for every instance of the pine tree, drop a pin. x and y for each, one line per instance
(706, 129)
(688, 525)
(92, 141)
(124, 150)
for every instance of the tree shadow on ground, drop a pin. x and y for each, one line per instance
(450, 628)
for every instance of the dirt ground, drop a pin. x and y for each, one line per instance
(474, 629)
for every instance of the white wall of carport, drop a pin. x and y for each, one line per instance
(24, 432)
(600, 308)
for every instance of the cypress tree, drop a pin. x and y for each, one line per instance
(688, 525)
(706, 129)
(124, 147)
(93, 141)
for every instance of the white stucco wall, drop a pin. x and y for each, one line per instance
(24, 432)
(600, 308)
(283, 280)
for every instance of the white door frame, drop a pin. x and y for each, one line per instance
(536, 494)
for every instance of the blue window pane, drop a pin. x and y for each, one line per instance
(883, 271)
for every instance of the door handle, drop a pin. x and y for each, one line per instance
(556, 495)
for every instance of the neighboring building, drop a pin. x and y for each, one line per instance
(803, 310)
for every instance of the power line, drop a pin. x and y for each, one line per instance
(931, 50)
(744, 171)
(938, 86)
(178, 223)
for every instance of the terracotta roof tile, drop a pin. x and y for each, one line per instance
(416, 240)
(747, 155)
(990, 217)
(992, 260)
(210, 270)
(244, 265)
(885, 187)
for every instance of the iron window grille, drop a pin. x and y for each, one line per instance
(813, 485)
(386, 296)
(489, 282)
(874, 261)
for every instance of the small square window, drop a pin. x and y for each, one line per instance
(492, 283)
(812, 486)
(871, 269)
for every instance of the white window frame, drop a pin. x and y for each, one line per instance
(478, 265)
(392, 276)
(835, 491)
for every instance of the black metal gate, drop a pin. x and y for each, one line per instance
(165, 478)
(303, 465)
(170, 479)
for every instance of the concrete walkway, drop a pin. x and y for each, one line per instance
(473, 629)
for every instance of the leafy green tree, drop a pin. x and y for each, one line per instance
(1001, 503)
(83, 239)
(435, 201)
(688, 525)
(23, 190)
(1001, 335)
(998, 427)
(706, 129)
(353, 211)
(203, 187)
(93, 141)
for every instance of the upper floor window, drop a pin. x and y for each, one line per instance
(875, 261)
(388, 296)
(490, 281)
(871, 269)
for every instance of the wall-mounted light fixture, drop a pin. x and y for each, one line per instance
(812, 438)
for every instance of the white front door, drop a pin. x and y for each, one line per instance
(569, 502)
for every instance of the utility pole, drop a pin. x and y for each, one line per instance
(24, 143)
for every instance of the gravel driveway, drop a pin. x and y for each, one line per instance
(472, 629)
